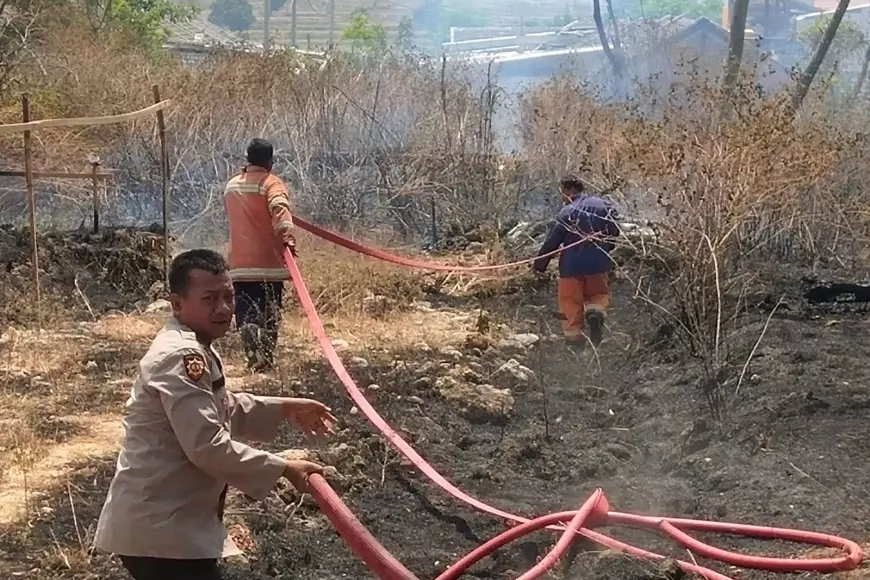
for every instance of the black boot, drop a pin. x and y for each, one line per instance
(595, 326)
(252, 342)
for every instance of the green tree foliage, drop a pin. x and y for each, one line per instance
(848, 43)
(405, 33)
(364, 34)
(236, 15)
(846, 49)
(276, 5)
(146, 18)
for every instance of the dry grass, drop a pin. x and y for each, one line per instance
(62, 389)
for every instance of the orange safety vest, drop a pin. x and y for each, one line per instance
(258, 211)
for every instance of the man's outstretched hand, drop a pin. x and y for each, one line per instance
(297, 471)
(310, 416)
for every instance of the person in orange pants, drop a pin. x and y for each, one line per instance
(584, 269)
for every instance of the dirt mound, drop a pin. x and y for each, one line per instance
(80, 272)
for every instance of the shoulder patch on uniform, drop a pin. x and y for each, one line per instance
(194, 366)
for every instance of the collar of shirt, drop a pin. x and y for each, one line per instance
(254, 169)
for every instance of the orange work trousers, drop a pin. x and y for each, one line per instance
(579, 294)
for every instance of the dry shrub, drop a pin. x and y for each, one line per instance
(342, 282)
(377, 142)
(727, 198)
(81, 273)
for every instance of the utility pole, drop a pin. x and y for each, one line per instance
(267, 15)
(293, 24)
(331, 22)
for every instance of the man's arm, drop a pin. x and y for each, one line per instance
(554, 239)
(255, 418)
(184, 385)
(279, 208)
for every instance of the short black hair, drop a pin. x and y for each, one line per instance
(186, 262)
(260, 153)
(571, 182)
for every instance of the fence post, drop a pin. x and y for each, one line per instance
(95, 184)
(434, 222)
(164, 170)
(31, 204)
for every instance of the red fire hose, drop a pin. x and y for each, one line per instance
(594, 512)
(411, 263)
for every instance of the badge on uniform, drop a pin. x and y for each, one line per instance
(194, 366)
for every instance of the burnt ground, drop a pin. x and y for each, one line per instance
(791, 452)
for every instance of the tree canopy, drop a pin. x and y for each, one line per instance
(236, 15)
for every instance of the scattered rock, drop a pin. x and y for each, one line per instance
(518, 341)
(422, 383)
(477, 403)
(359, 362)
(423, 347)
(515, 372)
(451, 354)
(526, 232)
(339, 344)
(471, 376)
(158, 306)
(527, 339)
(477, 341)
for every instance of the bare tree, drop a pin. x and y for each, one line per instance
(735, 45)
(615, 58)
(19, 23)
(617, 43)
(859, 84)
(806, 78)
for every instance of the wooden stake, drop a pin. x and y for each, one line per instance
(31, 204)
(164, 162)
(95, 183)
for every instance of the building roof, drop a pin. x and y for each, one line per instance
(199, 31)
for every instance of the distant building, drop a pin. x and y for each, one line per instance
(195, 40)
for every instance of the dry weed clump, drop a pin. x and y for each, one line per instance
(727, 198)
(81, 274)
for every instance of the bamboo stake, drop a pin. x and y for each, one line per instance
(164, 162)
(95, 183)
(31, 204)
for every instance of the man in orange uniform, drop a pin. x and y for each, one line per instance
(584, 269)
(258, 211)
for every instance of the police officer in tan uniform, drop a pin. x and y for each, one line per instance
(164, 510)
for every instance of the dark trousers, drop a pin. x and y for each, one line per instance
(166, 569)
(258, 314)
